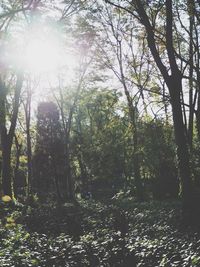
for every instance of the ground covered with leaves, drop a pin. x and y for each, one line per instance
(91, 233)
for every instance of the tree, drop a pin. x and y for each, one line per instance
(99, 142)
(159, 161)
(18, 147)
(49, 154)
(7, 134)
(83, 35)
(127, 64)
(173, 77)
(27, 101)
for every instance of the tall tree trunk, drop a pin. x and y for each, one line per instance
(83, 169)
(6, 165)
(27, 109)
(29, 163)
(133, 119)
(68, 181)
(16, 170)
(191, 64)
(174, 83)
(136, 163)
(7, 138)
(70, 189)
(3, 130)
(198, 102)
(198, 82)
(175, 87)
(84, 176)
(198, 116)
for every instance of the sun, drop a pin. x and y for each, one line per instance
(44, 51)
(43, 56)
(40, 49)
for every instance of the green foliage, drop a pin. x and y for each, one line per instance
(159, 160)
(103, 151)
(98, 140)
(54, 239)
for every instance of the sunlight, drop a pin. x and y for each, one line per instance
(43, 56)
(46, 52)
(41, 50)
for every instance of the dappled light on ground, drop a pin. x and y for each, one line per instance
(87, 235)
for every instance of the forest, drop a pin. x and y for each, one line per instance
(100, 133)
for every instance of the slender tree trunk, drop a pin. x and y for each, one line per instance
(197, 84)
(29, 162)
(191, 64)
(84, 175)
(3, 130)
(198, 116)
(27, 109)
(133, 118)
(174, 83)
(68, 183)
(16, 170)
(175, 88)
(6, 166)
(136, 163)
(71, 194)
(7, 138)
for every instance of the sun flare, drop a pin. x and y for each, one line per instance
(41, 50)
(43, 56)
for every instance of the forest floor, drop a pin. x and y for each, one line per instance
(122, 233)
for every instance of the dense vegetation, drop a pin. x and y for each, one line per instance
(99, 133)
(122, 233)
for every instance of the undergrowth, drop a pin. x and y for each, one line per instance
(122, 233)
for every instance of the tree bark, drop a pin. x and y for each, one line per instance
(29, 162)
(174, 84)
(27, 109)
(173, 78)
(7, 137)
(175, 87)
(16, 170)
(136, 163)
(132, 108)
(191, 100)
(6, 165)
